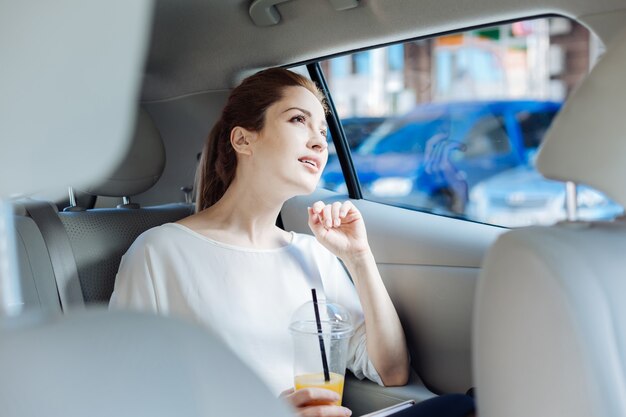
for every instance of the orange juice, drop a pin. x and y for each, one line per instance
(317, 381)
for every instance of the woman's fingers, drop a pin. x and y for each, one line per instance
(349, 213)
(315, 402)
(332, 215)
(318, 206)
(286, 393)
(323, 213)
(327, 216)
(312, 396)
(334, 212)
(345, 208)
(313, 217)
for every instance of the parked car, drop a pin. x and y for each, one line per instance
(434, 154)
(521, 196)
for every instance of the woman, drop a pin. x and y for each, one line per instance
(230, 268)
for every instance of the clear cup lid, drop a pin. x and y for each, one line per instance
(334, 319)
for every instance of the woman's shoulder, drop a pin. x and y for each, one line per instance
(304, 239)
(159, 237)
(308, 243)
(158, 233)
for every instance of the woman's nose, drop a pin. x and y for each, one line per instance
(318, 141)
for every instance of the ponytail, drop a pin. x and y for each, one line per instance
(216, 169)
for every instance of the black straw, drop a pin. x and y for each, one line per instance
(320, 336)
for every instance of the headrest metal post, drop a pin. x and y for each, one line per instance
(11, 302)
(73, 205)
(571, 201)
(187, 191)
(72, 196)
(126, 204)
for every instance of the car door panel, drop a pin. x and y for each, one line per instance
(435, 306)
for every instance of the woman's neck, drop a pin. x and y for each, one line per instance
(241, 217)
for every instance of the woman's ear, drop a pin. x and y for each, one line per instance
(241, 140)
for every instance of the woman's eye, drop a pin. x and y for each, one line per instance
(324, 133)
(299, 119)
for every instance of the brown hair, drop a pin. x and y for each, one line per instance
(246, 107)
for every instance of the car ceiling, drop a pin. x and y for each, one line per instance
(205, 45)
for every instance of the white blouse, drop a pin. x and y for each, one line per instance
(245, 296)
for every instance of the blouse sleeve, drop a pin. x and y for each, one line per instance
(134, 285)
(339, 288)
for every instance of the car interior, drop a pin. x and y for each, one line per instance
(105, 109)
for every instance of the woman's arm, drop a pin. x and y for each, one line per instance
(386, 345)
(340, 228)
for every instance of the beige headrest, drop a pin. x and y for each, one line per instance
(141, 167)
(68, 122)
(587, 141)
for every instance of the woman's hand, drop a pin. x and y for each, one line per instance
(315, 402)
(340, 228)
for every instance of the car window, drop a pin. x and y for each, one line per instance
(457, 120)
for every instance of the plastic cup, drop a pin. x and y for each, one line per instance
(336, 329)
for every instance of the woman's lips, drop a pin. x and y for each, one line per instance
(310, 162)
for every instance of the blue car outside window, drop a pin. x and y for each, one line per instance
(407, 138)
(435, 154)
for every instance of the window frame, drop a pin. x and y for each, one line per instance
(338, 134)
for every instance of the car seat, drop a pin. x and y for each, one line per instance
(101, 364)
(86, 246)
(550, 320)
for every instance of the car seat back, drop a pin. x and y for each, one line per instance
(550, 322)
(100, 237)
(103, 363)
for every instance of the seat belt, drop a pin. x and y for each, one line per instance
(60, 251)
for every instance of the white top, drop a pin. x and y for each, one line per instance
(245, 296)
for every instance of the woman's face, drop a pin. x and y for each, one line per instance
(291, 149)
